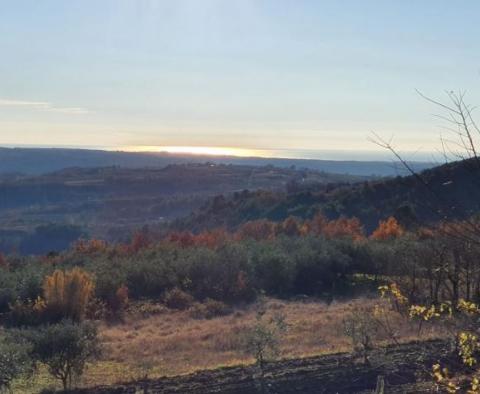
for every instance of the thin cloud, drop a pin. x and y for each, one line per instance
(43, 106)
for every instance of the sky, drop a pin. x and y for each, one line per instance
(240, 75)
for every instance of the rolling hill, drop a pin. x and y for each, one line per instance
(110, 202)
(450, 191)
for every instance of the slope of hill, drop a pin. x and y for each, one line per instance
(109, 202)
(40, 161)
(449, 191)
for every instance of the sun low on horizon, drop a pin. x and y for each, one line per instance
(200, 150)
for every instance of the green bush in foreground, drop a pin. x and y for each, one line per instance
(14, 362)
(64, 348)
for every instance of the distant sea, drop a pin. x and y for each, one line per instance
(309, 154)
(346, 155)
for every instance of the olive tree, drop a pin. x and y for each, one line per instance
(262, 339)
(14, 362)
(362, 329)
(65, 348)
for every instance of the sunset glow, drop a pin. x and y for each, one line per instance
(201, 150)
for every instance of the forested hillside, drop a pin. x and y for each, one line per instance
(449, 191)
(48, 212)
(112, 202)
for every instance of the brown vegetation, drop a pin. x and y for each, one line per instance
(174, 342)
(67, 293)
(388, 229)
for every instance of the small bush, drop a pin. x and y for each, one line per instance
(178, 299)
(14, 362)
(26, 313)
(146, 309)
(118, 303)
(362, 329)
(209, 309)
(121, 299)
(262, 340)
(97, 309)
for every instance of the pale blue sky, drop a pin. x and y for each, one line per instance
(242, 73)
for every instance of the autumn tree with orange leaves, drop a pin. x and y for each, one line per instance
(89, 246)
(388, 229)
(289, 227)
(256, 229)
(67, 293)
(339, 228)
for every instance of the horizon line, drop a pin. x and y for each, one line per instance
(242, 153)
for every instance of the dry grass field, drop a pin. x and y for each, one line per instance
(173, 342)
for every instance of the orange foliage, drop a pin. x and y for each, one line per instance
(120, 301)
(67, 293)
(425, 233)
(342, 227)
(257, 230)
(184, 239)
(139, 241)
(90, 246)
(452, 228)
(211, 239)
(388, 229)
(264, 229)
(289, 227)
(317, 224)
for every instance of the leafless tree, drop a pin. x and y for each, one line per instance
(463, 146)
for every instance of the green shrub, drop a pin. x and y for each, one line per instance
(274, 269)
(149, 276)
(14, 362)
(262, 340)
(178, 299)
(26, 313)
(146, 308)
(20, 282)
(109, 278)
(64, 348)
(215, 273)
(209, 309)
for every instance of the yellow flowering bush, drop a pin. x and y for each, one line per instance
(463, 317)
(392, 290)
(468, 344)
(474, 386)
(468, 307)
(423, 312)
(442, 379)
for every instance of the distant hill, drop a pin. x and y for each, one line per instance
(450, 191)
(110, 202)
(42, 160)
